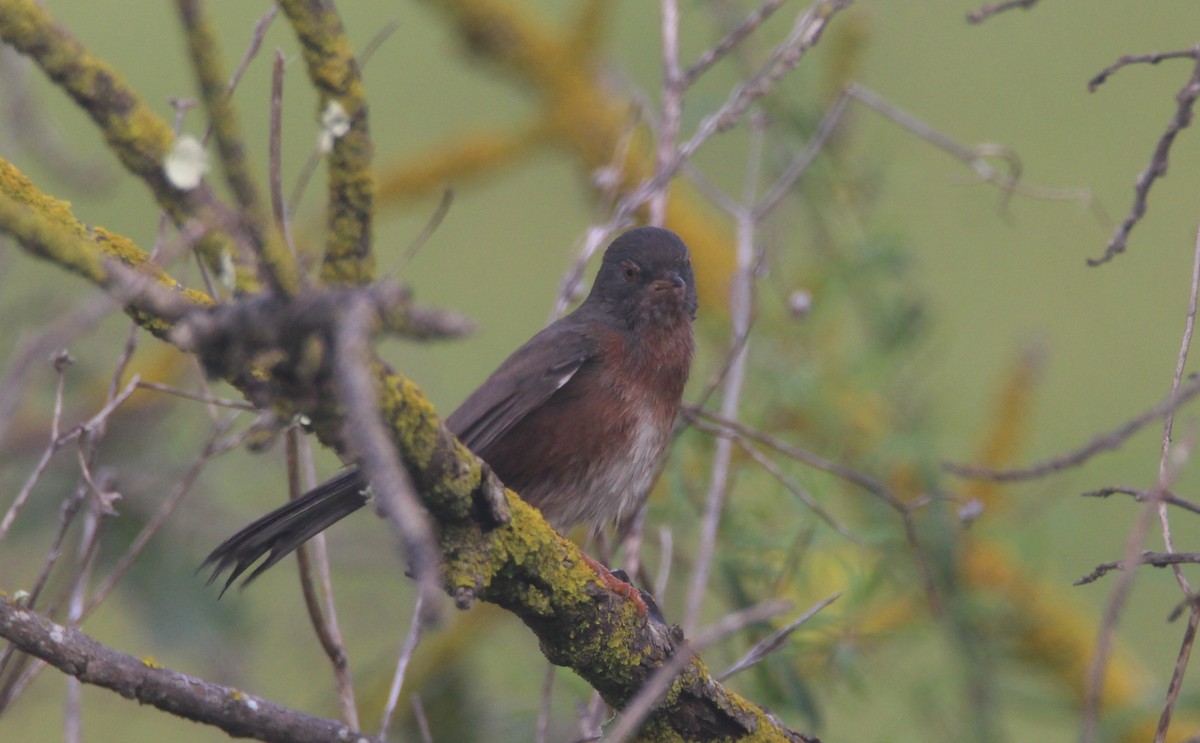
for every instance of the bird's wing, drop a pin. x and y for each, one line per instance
(524, 381)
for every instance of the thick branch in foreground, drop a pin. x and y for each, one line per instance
(238, 714)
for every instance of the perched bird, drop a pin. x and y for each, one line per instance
(576, 421)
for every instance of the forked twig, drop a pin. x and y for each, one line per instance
(1185, 101)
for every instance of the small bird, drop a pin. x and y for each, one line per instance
(576, 421)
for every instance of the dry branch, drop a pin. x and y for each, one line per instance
(987, 11)
(1156, 559)
(235, 712)
(1185, 101)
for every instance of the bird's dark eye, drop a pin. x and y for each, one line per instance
(630, 271)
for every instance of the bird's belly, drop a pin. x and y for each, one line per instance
(594, 471)
(610, 487)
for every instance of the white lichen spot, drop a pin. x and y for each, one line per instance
(57, 634)
(20, 598)
(187, 163)
(252, 704)
(335, 122)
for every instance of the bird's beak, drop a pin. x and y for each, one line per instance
(672, 280)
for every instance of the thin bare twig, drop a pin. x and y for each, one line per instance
(1105, 635)
(324, 622)
(390, 482)
(772, 642)
(608, 179)
(741, 309)
(89, 541)
(665, 544)
(1185, 343)
(975, 156)
(731, 41)
(87, 435)
(422, 721)
(1131, 59)
(1155, 559)
(793, 487)
(11, 689)
(256, 39)
(1142, 495)
(876, 488)
(1185, 101)
(991, 9)
(410, 646)
(61, 362)
(317, 548)
(805, 33)
(799, 165)
(543, 721)
(435, 220)
(275, 156)
(223, 402)
(1181, 663)
(783, 59)
(216, 445)
(99, 506)
(672, 105)
(377, 41)
(815, 461)
(1102, 443)
(30, 354)
(58, 441)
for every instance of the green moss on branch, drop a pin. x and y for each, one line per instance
(334, 72)
(137, 136)
(277, 265)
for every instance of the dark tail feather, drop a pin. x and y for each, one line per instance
(283, 530)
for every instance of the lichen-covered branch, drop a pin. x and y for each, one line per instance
(45, 227)
(343, 108)
(135, 134)
(237, 713)
(276, 264)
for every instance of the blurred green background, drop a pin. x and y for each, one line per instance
(985, 279)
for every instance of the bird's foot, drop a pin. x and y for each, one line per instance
(618, 582)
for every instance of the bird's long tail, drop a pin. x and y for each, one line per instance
(281, 531)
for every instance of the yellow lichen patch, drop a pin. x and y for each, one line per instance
(1010, 423)
(331, 66)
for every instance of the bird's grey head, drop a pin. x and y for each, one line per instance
(646, 276)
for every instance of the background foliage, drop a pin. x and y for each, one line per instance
(944, 317)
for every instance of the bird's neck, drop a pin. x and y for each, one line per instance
(662, 352)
